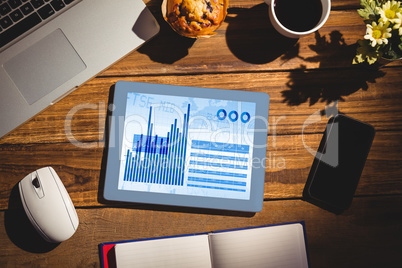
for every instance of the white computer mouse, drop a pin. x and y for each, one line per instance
(48, 205)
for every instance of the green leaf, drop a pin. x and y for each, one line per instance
(400, 44)
(364, 13)
(358, 59)
(365, 52)
(373, 7)
(371, 60)
(368, 10)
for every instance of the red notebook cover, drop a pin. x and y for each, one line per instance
(108, 259)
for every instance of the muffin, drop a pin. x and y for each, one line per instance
(195, 18)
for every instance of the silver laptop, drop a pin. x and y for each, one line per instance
(50, 47)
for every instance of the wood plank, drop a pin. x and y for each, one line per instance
(367, 235)
(370, 96)
(335, 4)
(287, 166)
(301, 76)
(246, 41)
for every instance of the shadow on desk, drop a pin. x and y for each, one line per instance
(328, 84)
(20, 230)
(255, 40)
(168, 46)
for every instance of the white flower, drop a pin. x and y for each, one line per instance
(398, 23)
(389, 12)
(378, 34)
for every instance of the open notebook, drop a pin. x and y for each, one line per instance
(266, 246)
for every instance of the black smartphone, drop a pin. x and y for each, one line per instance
(339, 163)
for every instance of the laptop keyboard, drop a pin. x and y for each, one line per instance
(19, 16)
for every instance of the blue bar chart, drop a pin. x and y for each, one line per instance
(158, 159)
(187, 146)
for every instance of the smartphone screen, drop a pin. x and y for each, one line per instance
(339, 162)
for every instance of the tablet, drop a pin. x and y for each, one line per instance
(187, 146)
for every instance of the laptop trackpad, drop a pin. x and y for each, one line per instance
(44, 66)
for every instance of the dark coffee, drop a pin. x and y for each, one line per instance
(298, 15)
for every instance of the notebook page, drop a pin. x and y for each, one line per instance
(273, 246)
(184, 251)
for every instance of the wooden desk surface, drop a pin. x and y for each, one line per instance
(301, 76)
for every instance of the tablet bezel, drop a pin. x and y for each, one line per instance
(111, 191)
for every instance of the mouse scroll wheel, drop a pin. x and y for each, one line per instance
(36, 183)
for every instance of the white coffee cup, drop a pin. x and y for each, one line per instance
(326, 8)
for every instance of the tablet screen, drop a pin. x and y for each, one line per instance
(187, 146)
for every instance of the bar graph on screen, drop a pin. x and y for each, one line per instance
(188, 146)
(159, 160)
